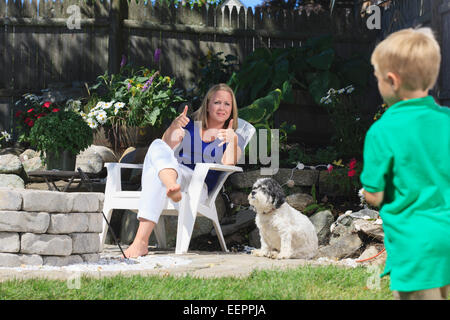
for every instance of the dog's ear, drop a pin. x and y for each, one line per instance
(277, 193)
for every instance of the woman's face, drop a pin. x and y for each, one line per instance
(220, 107)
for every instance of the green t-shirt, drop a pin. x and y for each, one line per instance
(407, 155)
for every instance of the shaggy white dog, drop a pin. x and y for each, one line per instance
(285, 232)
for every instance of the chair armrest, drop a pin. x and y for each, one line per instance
(219, 167)
(114, 178)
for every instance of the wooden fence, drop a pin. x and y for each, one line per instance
(427, 13)
(37, 47)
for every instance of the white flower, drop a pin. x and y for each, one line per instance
(331, 91)
(349, 89)
(99, 105)
(102, 117)
(341, 91)
(83, 115)
(116, 110)
(119, 105)
(6, 135)
(325, 99)
(108, 105)
(92, 123)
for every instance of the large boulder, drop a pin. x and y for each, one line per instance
(93, 159)
(10, 164)
(11, 181)
(322, 221)
(299, 201)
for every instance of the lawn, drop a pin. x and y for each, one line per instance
(307, 282)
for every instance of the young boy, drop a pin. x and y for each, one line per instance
(407, 166)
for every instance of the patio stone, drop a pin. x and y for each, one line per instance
(16, 260)
(9, 242)
(45, 244)
(19, 221)
(68, 223)
(48, 201)
(10, 199)
(85, 242)
(61, 261)
(86, 202)
(95, 222)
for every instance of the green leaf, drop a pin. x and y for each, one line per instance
(252, 113)
(323, 60)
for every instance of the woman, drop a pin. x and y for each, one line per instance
(164, 176)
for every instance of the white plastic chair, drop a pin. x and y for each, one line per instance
(189, 205)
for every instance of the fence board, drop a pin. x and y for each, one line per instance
(2, 8)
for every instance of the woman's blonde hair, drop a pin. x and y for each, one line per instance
(413, 54)
(202, 115)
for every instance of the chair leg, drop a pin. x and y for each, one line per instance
(160, 233)
(219, 234)
(186, 220)
(107, 212)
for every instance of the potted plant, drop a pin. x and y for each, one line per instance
(131, 107)
(61, 135)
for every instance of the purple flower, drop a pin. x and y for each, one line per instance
(157, 55)
(129, 86)
(123, 61)
(148, 83)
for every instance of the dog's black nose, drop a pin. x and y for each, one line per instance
(253, 193)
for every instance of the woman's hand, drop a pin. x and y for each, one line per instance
(227, 135)
(175, 133)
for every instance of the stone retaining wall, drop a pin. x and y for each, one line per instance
(48, 227)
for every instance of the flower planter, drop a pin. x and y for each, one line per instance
(124, 137)
(64, 161)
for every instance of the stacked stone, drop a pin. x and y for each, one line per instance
(49, 228)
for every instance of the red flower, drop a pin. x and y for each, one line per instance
(351, 173)
(47, 104)
(18, 114)
(30, 123)
(55, 110)
(40, 115)
(352, 163)
(27, 120)
(30, 110)
(329, 168)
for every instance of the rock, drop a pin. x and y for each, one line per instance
(244, 219)
(365, 214)
(11, 181)
(299, 200)
(10, 164)
(68, 223)
(90, 257)
(372, 251)
(62, 261)
(29, 154)
(341, 230)
(33, 164)
(45, 244)
(19, 221)
(10, 200)
(345, 247)
(92, 159)
(9, 242)
(370, 228)
(85, 242)
(254, 238)
(14, 151)
(128, 227)
(239, 198)
(322, 221)
(304, 178)
(10, 260)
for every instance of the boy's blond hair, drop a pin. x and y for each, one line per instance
(413, 54)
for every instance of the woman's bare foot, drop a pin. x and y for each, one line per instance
(174, 193)
(136, 249)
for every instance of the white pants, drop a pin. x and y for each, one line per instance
(153, 194)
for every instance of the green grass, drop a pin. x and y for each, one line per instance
(309, 282)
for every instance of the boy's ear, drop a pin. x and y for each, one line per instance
(394, 80)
